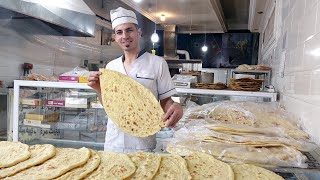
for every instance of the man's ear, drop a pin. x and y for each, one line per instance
(139, 32)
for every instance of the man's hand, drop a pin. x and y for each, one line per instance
(173, 111)
(94, 81)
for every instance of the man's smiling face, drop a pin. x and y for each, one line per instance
(127, 36)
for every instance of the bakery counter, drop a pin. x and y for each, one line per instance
(261, 94)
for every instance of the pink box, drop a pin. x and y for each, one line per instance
(69, 78)
(55, 103)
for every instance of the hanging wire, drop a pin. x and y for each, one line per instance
(191, 20)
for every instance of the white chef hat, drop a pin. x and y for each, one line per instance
(121, 16)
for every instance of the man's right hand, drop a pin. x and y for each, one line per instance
(94, 80)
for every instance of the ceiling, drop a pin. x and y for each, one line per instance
(199, 16)
(189, 15)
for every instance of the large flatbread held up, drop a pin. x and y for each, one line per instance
(131, 106)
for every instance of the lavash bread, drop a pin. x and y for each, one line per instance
(203, 166)
(256, 115)
(172, 167)
(113, 166)
(39, 154)
(64, 160)
(147, 165)
(82, 171)
(274, 156)
(12, 153)
(251, 172)
(131, 106)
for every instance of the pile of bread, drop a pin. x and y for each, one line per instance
(245, 84)
(19, 161)
(249, 132)
(253, 67)
(216, 86)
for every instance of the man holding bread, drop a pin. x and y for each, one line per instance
(149, 70)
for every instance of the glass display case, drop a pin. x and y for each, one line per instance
(59, 113)
(204, 96)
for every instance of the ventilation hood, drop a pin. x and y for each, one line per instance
(68, 17)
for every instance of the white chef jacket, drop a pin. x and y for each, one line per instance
(152, 72)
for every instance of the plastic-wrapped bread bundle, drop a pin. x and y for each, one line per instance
(259, 115)
(282, 156)
(202, 130)
(262, 146)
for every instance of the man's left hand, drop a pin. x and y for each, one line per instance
(173, 115)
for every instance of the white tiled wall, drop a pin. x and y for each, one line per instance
(298, 27)
(50, 55)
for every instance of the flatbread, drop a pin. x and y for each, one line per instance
(12, 153)
(82, 171)
(280, 156)
(64, 160)
(147, 165)
(131, 106)
(39, 154)
(251, 172)
(172, 167)
(113, 166)
(245, 130)
(204, 166)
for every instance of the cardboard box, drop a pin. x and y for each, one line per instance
(34, 102)
(74, 79)
(83, 79)
(29, 123)
(55, 103)
(41, 116)
(76, 102)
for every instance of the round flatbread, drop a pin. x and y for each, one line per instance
(64, 160)
(113, 166)
(204, 166)
(147, 165)
(82, 171)
(131, 106)
(251, 172)
(39, 154)
(12, 153)
(172, 167)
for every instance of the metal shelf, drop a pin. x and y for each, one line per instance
(272, 96)
(69, 143)
(51, 84)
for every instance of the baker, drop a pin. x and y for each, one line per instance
(149, 70)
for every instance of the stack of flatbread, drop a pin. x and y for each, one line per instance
(47, 162)
(249, 132)
(246, 84)
(253, 67)
(130, 105)
(216, 86)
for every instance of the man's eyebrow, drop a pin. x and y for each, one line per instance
(129, 28)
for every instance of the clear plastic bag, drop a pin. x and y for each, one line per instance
(248, 132)
(258, 115)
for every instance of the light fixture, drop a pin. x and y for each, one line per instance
(162, 17)
(137, 1)
(155, 37)
(204, 48)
